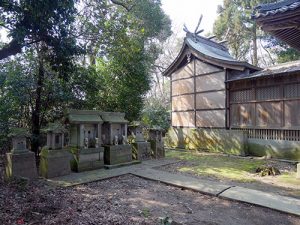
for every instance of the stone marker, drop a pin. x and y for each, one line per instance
(298, 171)
(141, 148)
(157, 144)
(20, 161)
(54, 159)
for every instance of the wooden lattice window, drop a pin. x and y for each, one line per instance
(292, 91)
(267, 93)
(242, 96)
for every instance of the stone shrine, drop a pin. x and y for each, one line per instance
(141, 148)
(114, 138)
(54, 158)
(85, 139)
(157, 144)
(20, 161)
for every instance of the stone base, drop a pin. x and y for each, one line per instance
(54, 163)
(117, 154)
(88, 159)
(21, 165)
(141, 150)
(158, 149)
(298, 171)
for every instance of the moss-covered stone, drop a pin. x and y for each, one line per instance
(211, 140)
(274, 149)
(54, 163)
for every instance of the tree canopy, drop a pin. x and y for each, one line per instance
(76, 54)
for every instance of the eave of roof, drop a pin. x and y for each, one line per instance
(272, 9)
(113, 117)
(277, 70)
(209, 51)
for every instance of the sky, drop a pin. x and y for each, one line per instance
(188, 12)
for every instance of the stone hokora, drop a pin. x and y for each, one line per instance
(85, 129)
(141, 148)
(157, 144)
(54, 158)
(20, 161)
(114, 138)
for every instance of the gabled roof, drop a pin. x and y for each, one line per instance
(207, 50)
(277, 70)
(84, 116)
(281, 19)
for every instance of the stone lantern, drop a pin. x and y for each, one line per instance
(156, 140)
(141, 148)
(54, 158)
(20, 161)
(114, 138)
(85, 132)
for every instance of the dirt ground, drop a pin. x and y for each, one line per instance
(266, 183)
(125, 200)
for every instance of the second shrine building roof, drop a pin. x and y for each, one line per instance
(208, 51)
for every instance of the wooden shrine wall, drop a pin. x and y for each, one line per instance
(269, 103)
(198, 96)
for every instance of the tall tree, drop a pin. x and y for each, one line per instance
(122, 43)
(236, 26)
(45, 27)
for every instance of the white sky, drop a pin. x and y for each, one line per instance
(188, 12)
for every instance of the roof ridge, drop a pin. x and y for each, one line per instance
(207, 41)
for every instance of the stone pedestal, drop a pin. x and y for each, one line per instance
(141, 150)
(54, 163)
(88, 159)
(298, 171)
(21, 165)
(117, 154)
(158, 149)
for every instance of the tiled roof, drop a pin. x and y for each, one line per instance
(276, 8)
(280, 69)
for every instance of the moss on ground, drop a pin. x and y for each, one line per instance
(233, 168)
(220, 166)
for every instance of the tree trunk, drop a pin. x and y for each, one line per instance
(36, 113)
(254, 40)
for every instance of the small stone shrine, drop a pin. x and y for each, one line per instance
(141, 148)
(157, 144)
(85, 139)
(54, 158)
(20, 162)
(114, 138)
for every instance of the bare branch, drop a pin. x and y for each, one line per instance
(116, 2)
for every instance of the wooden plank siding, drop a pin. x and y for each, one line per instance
(266, 103)
(198, 96)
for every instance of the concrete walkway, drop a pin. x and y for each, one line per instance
(147, 170)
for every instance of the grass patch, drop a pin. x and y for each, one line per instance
(289, 178)
(219, 166)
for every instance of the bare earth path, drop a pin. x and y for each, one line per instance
(125, 200)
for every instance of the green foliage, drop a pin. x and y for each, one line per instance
(125, 52)
(235, 25)
(156, 113)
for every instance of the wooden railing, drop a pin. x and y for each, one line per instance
(272, 134)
